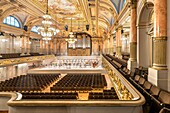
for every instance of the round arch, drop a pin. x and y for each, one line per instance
(144, 37)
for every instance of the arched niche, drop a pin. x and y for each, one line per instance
(145, 34)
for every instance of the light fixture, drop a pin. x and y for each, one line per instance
(46, 30)
(71, 39)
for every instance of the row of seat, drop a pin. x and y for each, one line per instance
(106, 94)
(125, 56)
(16, 55)
(80, 82)
(30, 82)
(156, 98)
(116, 62)
(50, 95)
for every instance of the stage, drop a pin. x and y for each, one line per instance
(72, 64)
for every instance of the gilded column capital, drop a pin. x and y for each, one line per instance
(133, 4)
(160, 38)
(119, 28)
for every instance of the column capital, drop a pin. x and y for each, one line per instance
(133, 4)
(119, 28)
(26, 33)
(160, 38)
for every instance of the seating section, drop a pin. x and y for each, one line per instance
(119, 64)
(125, 56)
(156, 98)
(50, 95)
(17, 55)
(10, 55)
(36, 54)
(165, 110)
(80, 82)
(106, 94)
(30, 82)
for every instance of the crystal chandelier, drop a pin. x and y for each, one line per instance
(46, 30)
(71, 39)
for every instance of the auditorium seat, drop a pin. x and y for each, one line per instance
(82, 82)
(165, 110)
(163, 100)
(50, 95)
(106, 94)
(154, 91)
(30, 82)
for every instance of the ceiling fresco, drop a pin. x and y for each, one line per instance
(96, 13)
(62, 7)
(106, 14)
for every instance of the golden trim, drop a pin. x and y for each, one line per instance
(160, 38)
(5, 62)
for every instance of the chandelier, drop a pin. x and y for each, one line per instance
(46, 30)
(71, 39)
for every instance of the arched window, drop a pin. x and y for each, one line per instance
(34, 29)
(12, 21)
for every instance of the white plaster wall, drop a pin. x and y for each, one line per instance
(168, 42)
(143, 48)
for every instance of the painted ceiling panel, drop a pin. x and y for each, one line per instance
(106, 14)
(64, 8)
(116, 3)
(81, 10)
(102, 24)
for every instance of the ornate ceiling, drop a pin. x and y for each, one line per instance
(99, 14)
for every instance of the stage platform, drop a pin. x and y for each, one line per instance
(67, 70)
(72, 64)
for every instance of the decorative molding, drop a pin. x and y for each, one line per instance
(160, 38)
(6, 62)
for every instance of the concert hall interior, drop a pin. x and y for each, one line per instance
(84, 56)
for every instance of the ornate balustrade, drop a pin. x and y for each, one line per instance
(5, 62)
(124, 89)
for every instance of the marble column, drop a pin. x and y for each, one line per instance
(0, 46)
(8, 43)
(13, 45)
(92, 47)
(132, 63)
(160, 34)
(28, 45)
(118, 42)
(41, 46)
(51, 47)
(10, 50)
(55, 46)
(84, 41)
(23, 45)
(111, 44)
(46, 47)
(158, 74)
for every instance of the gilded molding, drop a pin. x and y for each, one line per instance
(160, 38)
(5, 62)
